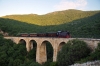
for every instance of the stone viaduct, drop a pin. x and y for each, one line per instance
(56, 43)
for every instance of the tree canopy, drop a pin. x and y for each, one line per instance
(71, 52)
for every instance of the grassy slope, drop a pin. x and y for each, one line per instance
(54, 18)
(79, 23)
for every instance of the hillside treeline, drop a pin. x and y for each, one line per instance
(81, 24)
(54, 18)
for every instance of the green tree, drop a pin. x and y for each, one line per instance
(93, 56)
(53, 64)
(73, 51)
(34, 64)
(17, 62)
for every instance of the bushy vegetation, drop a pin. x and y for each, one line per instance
(93, 56)
(71, 52)
(12, 54)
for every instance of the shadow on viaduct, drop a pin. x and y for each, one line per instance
(56, 43)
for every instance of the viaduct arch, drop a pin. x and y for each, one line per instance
(56, 43)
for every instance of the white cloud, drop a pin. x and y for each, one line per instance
(71, 4)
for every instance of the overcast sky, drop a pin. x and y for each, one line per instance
(11, 7)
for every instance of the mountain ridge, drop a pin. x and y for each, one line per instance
(53, 18)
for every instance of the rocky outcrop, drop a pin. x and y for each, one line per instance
(92, 63)
(3, 33)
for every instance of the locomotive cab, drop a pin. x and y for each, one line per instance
(63, 34)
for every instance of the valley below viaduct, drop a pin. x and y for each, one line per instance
(57, 43)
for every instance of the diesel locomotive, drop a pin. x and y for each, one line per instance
(59, 34)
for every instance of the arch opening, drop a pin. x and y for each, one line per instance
(60, 46)
(33, 44)
(22, 41)
(46, 51)
(22, 46)
(33, 48)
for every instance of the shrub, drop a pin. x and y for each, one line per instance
(34, 64)
(71, 52)
(53, 64)
(93, 56)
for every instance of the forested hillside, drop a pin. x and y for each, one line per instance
(78, 23)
